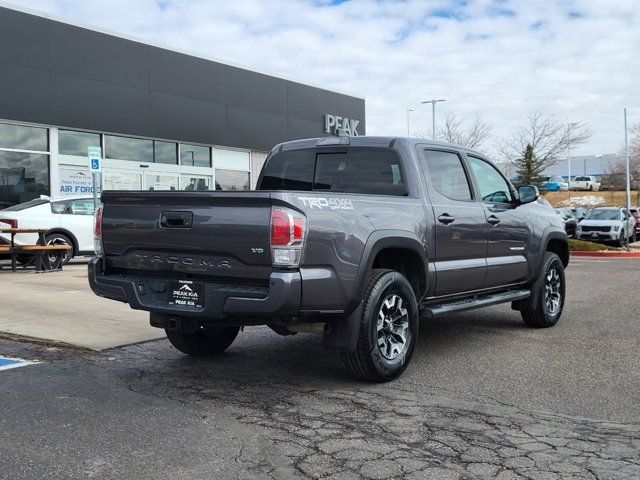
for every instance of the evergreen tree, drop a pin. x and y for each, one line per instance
(529, 168)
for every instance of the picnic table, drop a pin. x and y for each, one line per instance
(42, 262)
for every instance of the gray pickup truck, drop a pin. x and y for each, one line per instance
(353, 238)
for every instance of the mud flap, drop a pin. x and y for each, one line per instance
(343, 335)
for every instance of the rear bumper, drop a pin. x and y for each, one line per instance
(222, 301)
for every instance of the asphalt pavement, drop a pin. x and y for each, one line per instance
(484, 397)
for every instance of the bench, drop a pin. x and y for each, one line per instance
(45, 263)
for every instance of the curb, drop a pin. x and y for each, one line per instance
(607, 254)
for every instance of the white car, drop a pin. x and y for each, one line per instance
(586, 182)
(67, 220)
(612, 224)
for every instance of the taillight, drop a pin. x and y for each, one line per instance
(287, 236)
(11, 221)
(97, 231)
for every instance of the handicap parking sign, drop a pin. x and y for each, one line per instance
(95, 159)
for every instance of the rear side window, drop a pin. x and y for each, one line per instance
(447, 175)
(58, 207)
(373, 171)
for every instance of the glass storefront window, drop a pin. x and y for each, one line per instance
(165, 152)
(195, 155)
(23, 177)
(22, 137)
(195, 182)
(232, 180)
(121, 181)
(161, 182)
(140, 150)
(125, 148)
(77, 143)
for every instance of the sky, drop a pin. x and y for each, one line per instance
(502, 59)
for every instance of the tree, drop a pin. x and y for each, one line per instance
(529, 169)
(455, 131)
(617, 171)
(546, 137)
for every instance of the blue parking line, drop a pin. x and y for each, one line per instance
(7, 362)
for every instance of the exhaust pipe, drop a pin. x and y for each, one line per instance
(323, 328)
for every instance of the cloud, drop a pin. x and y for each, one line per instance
(504, 59)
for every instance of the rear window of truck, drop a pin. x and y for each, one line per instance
(373, 171)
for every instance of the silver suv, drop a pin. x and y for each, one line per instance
(608, 224)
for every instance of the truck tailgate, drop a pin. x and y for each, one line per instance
(212, 234)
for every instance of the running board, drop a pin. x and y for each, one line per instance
(477, 301)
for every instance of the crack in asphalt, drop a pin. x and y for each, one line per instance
(379, 432)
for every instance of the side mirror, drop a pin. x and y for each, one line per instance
(528, 193)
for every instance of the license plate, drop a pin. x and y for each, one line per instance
(186, 293)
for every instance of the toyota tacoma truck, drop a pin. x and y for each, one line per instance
(355, 238)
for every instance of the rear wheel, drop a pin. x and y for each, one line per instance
(59, 239)
(544, 308)
(388, 329)
(633, 237)
(204, 342)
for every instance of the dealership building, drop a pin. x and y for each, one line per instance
(164, 119)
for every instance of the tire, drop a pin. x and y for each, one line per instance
(383, 352)
(60, 239)
(203, 342)
(540, 310)
(621, 239)
(633, 237)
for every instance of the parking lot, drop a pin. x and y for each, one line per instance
(484, 396)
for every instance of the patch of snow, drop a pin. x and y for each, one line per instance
(584, 201)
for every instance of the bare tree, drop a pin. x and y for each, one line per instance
(617, 170)
(455, 131)
(547, 137)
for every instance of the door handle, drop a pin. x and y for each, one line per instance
(493, 220)
(446, 219)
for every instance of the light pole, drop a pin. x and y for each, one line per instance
(571, 126)
(433, 114)
(569, 164)
(626, 155)
(409, 109)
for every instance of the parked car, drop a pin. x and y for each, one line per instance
(586, 182)
(570, 222)
(347, 237)
(555, 184)
(608, 224)
(635, 212)
(68, 220)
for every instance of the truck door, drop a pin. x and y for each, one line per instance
(508, 234)
(460, 224)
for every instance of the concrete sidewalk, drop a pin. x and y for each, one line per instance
(60, 307)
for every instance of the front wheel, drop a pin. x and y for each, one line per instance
(388, 328)
(544, 308)
(621, 239)
(204, 342)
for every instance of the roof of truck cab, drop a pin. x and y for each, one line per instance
(370, 141)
